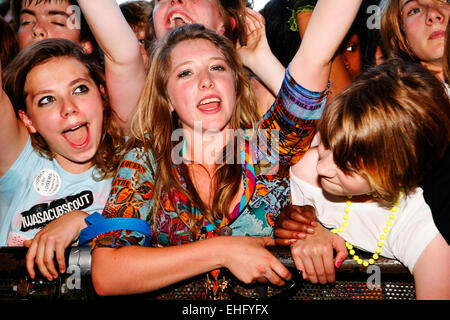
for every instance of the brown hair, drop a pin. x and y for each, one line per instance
(390, 126)
(446, 66)
(138, 13)
(234, 10)
(9, 42)
(14, 76)
(392, 34)
(154, 124)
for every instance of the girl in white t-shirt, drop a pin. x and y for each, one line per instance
(378, 139)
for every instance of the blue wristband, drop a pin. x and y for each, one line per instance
(98, 224)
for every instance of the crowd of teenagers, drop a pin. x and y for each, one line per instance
(218, 131)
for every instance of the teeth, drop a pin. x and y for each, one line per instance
(74, 128)
(209, 100)
(180, 16)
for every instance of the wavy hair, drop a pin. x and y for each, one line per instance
(14, 76)
(154, 124)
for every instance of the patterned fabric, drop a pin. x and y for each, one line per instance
(265, 165)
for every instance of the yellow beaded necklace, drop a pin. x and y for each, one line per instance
(383, 236)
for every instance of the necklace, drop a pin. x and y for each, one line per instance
(381, 239)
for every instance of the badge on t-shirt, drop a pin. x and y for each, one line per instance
(47, 183)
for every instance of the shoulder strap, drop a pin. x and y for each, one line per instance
(97, 224)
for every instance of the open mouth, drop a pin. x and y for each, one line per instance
(77, 136)
(178, 19)
(211, 104)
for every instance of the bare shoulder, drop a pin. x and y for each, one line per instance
(305, 169)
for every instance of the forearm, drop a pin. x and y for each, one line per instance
(291, 124)
(432, 271)
(268, 69)
(326, 29)
(14, 135)
(111, 30)
(124, 65)
(339, 77)
(135, 269)
(257, 55)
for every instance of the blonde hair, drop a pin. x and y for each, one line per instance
(389, 126)
(154, 123)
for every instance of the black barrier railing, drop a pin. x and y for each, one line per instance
(387, 279)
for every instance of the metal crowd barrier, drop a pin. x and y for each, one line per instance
(385, 280)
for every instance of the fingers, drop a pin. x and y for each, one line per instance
(254, 16)
(299, 265)
(60, 256)
(341, 251)
(300, 214)
(254, 21)
(44, 259)
(316, 269)
(42, 250)
(316, 263)
(29, 258)
(275, 272)
(309, 271)
(273, 277)
(308, 212)
(282, 272)
(291, 224)
(267, 241)
(284, 242)
(324, 266)
(291, 232)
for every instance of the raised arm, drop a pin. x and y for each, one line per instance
(256, 54)
(13, 134)
(311, 66)
(339, 77)
(124, 66)
(329, 23)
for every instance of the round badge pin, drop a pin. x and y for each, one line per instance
(47, 182)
